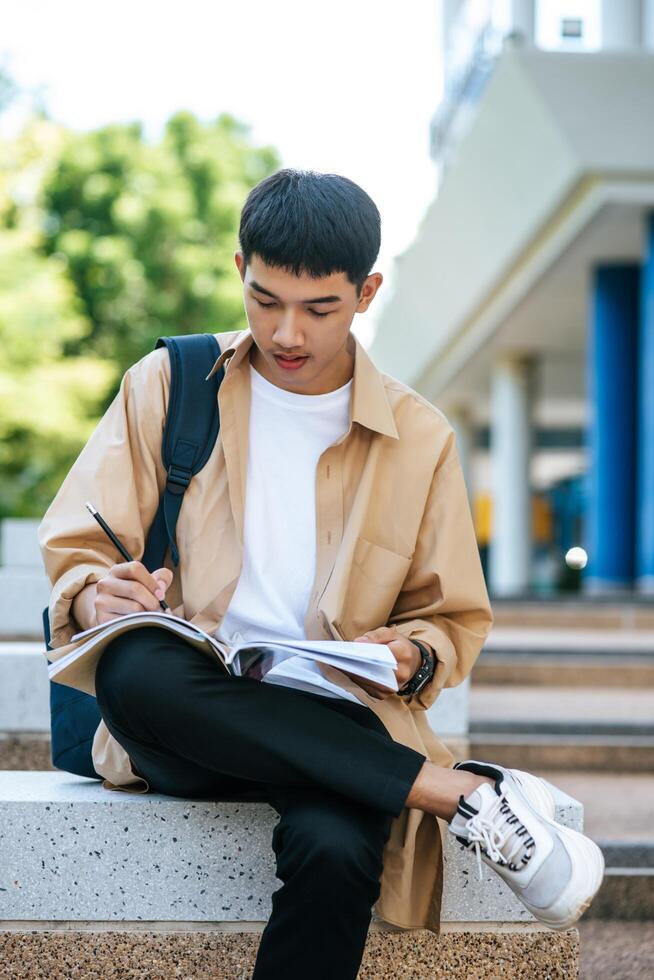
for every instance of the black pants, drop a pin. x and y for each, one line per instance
(328, 766)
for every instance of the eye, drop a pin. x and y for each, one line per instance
(268, 306)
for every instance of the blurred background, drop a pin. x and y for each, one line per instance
(509, 145)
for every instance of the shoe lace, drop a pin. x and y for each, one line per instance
(501, 836)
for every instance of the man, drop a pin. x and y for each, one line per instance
(333, 506)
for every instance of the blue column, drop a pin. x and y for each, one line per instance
(645, 497)
(612, 392)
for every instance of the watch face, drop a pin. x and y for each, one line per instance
(421, 684)
(426, 673)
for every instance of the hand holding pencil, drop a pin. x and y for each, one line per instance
(129, 587)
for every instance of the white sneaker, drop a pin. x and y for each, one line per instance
(534, 788)
(554, 871)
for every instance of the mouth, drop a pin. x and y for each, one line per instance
(290, 362)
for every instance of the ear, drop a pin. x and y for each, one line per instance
(240, 264)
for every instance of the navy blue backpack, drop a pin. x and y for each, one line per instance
(189, 435)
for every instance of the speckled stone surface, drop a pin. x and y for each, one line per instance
(415, 955)
(71, 850)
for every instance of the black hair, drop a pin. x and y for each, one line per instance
(311, 222)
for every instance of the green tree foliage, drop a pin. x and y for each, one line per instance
(106, 243)
(48, 404)
(149, 232)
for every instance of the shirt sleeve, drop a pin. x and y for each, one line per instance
(444, 601)
(120, 472)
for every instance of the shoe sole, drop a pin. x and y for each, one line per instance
(541, 799)
(588, 873)
(585, 882)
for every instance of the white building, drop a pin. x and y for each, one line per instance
(524, 309)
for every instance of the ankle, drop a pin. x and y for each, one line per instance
(437, 790)
(474, 782)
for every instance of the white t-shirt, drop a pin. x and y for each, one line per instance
(288, 433)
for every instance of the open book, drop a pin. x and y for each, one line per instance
(74, 664)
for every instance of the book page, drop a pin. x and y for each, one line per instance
(373, 661)
(154, 616)
(76, 667)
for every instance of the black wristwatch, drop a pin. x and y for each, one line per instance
(424, 673)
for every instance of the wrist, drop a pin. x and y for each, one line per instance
(83, 607)
(424, 672)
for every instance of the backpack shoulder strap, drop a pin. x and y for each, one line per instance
(190, 432)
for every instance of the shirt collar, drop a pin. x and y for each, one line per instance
(370, 404)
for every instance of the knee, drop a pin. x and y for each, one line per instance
(125, 670)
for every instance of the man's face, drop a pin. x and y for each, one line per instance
(289, 314)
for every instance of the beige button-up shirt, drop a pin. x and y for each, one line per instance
(395, 546)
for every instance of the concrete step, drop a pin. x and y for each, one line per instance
(27, 750)
(618, 806)
(19, 545)
(566, 657)
(628, 854)
(627, 891)
(564, 670)
(556, 728)
(194, 858)
(599, 753)
(615, 711)
(77, 859)
(24, 593)
(162, 858)
(631, 611)
(24, 687)
(616, 950)
(570, 641)
(215, 951)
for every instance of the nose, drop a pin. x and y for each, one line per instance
(288, 333)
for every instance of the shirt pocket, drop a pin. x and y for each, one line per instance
(375, 581)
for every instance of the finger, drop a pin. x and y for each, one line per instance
(110, 606)
(127, 588)
(135, 571)
(164, 578)
(380, 635)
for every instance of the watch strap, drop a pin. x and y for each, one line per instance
(424, 673)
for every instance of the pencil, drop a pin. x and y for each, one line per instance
(110, 534)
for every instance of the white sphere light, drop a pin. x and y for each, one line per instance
(576, 558)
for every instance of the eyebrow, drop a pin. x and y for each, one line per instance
(317, 299)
